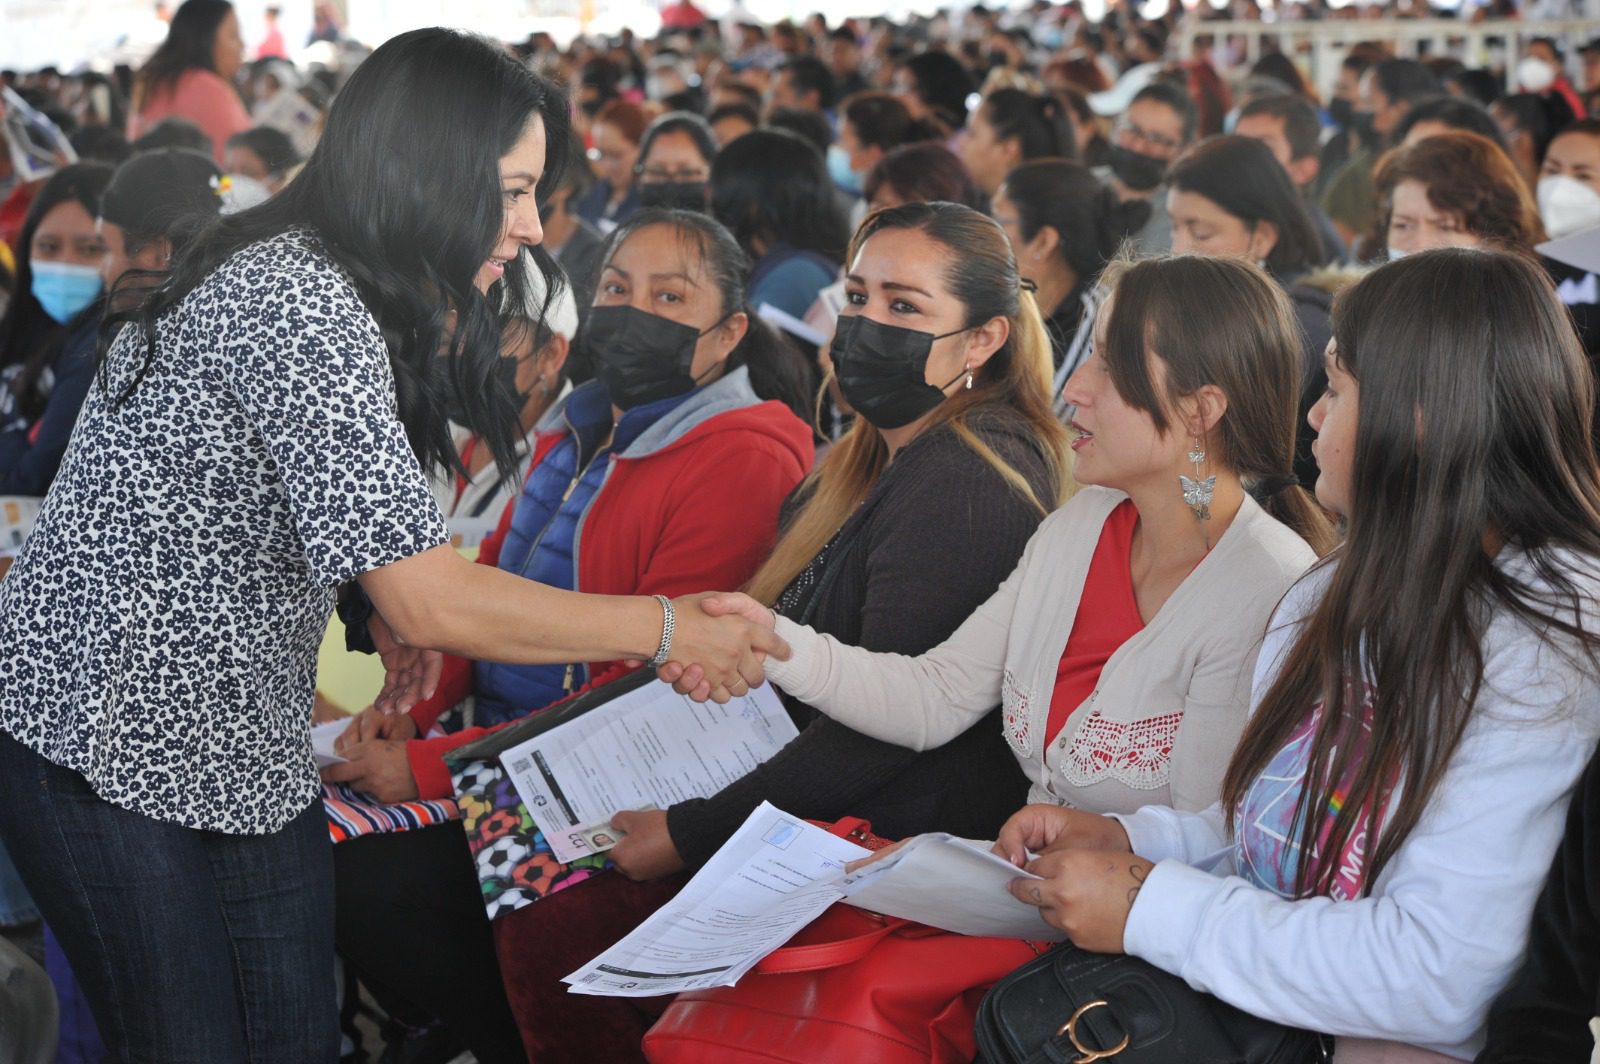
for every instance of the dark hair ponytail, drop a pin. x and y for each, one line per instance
(1087, 216)
(777, 369)
(1039, 124)
(412, 229)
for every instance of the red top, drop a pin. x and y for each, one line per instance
(1108, 616)
(201, 97)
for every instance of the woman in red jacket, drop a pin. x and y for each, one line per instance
(663, 475)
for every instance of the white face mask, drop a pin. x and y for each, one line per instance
(1535, 75)
(1567, 205)
(1395, 253)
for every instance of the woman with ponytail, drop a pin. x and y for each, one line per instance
(1121, 647)
(1065, 225)
(1426, 700)
(1011, 127)
(909, 524)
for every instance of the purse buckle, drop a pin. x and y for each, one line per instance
(1070, 1029)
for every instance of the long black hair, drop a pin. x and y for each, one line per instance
(412, 228)
(777, 370)
(191, 44)
(1475, 408)
(28, 336)
(773, 186)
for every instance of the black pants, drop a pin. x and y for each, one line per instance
(410, 921)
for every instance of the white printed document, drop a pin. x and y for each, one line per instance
(950, 883)
(776, 875)
(648, 748)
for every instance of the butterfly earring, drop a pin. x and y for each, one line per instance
(1197, 492)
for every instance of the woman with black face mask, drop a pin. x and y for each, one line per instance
(663, 474)
(1158, 124)
(910, 522)
(674, 167)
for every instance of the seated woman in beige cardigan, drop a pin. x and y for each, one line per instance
(1122, 646)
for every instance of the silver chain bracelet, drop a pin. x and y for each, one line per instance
(669, 624)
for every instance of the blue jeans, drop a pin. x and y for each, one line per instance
(16, 905)
(191, 946)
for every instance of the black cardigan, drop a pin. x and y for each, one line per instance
(937, 535)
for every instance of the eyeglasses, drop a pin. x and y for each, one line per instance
(1155, 140)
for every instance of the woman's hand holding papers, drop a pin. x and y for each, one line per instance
(1042, 829)
(695, 673)
(646, 850)
(1090, 876)
(1085, 893)
(378, 768)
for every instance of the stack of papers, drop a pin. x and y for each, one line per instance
(776, 875)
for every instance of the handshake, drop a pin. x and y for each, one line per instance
(720, 644)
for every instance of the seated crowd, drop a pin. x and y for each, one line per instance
(1185, 484)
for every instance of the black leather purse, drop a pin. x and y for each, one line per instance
(1071, 1006)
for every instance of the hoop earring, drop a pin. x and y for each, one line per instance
(1197, 492)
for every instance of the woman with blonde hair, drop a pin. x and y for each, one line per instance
(1121, 647)
(912, 520)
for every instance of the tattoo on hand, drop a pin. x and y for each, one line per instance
(1138, 874)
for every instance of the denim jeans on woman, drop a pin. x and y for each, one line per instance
(192, 946)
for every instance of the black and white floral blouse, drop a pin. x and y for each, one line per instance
(159, 633)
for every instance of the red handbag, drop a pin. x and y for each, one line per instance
(853, 986)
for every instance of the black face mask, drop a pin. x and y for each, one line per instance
(674, 195)
(640, 357)
(882, 370)
(1141, 173)
(1341, 111)
(504, 379)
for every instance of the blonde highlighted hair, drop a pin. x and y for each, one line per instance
(982, 274)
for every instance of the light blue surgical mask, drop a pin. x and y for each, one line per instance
(839, 170)
(64, 289)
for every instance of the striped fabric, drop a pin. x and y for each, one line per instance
(351, 816)
(1078, 351)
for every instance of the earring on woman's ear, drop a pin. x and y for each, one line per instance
(1197, 492)
(969, 378)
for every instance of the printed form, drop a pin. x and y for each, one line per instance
(776, 875)
(772, 878)
(649, 748)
